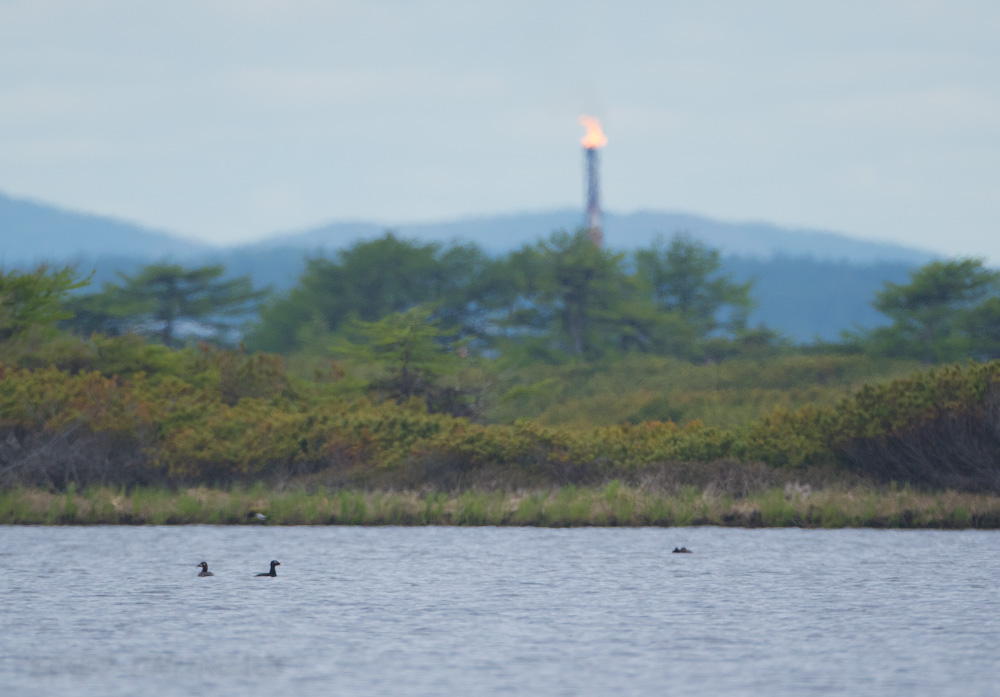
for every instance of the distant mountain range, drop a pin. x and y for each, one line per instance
(502, 233)
(31, 231)
(808, 283)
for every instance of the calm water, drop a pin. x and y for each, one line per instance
(487, 611)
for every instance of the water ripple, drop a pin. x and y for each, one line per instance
(498, 611)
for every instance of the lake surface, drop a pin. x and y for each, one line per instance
(498, 611)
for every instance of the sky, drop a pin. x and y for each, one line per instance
(230, 120)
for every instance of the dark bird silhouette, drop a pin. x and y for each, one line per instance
(204, 569)
(682, 550)
(272, 572)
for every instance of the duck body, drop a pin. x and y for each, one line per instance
(682, 550)
(204, 569)
(272, 572)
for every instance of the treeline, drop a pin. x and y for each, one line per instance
(563, 299)
(560, 299)
(786, 289)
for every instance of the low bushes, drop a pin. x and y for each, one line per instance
(940, 428)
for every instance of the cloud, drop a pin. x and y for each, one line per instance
(934, 110)
(284, 88)
(31, 103)
(194, 113)
(55, 151)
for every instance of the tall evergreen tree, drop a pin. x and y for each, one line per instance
(160, 297)
(35, 298)
(943, 314)
(369, 280)
(567, 291)
(414, 357)
(684, 278)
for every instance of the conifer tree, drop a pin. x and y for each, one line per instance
(684, 277)
(413, 355)
(35, 298)
(160, 297)
(945, 313)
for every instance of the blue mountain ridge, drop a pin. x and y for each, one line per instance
(502, 233)
(795, 271)
(32, 231)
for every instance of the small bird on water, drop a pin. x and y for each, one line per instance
(204, 569)
(272, 572)
(682, 550)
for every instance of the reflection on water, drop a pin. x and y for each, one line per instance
(485, 611)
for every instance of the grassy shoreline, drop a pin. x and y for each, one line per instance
(614, 504)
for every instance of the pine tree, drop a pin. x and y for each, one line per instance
(160, 297)
(35, 298)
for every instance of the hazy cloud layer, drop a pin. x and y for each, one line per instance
(227, 120)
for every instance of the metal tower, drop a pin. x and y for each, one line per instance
(593, 140)
(594, 197)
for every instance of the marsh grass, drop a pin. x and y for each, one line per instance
(570, 504)
(657, 511)
(613, 504)
(777, 509)
(432, 511)
(531, 509)
(70, 507)
(478, 508)
(620, 503)
(352, 508)
(15, 506)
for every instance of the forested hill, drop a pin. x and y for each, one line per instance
(808, 299)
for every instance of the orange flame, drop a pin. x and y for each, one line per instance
(595, 137)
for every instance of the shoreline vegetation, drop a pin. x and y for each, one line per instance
(81, 447)
(534, 409)
(614, 504)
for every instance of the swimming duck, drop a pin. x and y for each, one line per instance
(272, 572)
(204, 569)
(682, 550)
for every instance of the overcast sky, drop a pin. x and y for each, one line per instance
(227, 120)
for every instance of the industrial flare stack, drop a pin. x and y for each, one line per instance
(593, 140)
